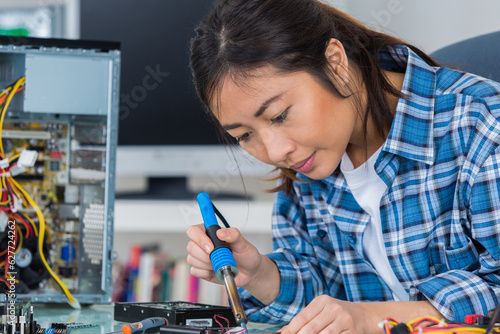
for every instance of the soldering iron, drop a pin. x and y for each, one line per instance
(222, 258)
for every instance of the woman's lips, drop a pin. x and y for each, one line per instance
(305, 165)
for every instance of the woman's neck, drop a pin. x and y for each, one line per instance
(374, 140)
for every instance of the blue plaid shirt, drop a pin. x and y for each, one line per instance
(440, 214)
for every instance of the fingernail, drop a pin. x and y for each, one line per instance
(223, 233)
(208, 249)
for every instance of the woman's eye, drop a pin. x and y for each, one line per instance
(280, 118)
(243, 138)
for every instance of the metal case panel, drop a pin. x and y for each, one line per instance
(67, 84)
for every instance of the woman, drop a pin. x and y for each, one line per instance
(389, 201)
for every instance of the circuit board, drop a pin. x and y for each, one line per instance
(55, 182)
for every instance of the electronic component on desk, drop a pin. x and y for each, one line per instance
(51, 331)
(195, 330)
(18, 315)
(176, 313)
(79, 325)
(190, 330)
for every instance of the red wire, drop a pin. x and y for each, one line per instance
(219, 316)
(6, 282)
(29, 229)
(3, 98)
(23, 218)
(11, 192)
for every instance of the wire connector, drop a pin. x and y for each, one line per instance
(16, 170)
(4, 163)
(4, 220)
(18, 204)
(27, 158)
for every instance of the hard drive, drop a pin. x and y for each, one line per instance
(176, 313)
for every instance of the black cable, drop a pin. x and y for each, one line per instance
(493, 320)
(221, 217)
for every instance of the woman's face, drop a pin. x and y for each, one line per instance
(288, 121)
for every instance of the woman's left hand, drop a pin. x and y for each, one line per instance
(329, 315)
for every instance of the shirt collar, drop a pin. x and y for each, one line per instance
(411, 134)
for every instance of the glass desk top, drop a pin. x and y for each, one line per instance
(102, 316)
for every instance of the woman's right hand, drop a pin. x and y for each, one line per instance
(256, 272)
(247, 257)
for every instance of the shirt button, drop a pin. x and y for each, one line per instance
(351, 239)
(321, 234)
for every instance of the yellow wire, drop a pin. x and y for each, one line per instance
(41, 221)
(32, 224)
(416, 320)
(14, 157)
(16, 190)
(464, 330)
(5, 189)
(440, 326)
(8, 89)
(6, 105)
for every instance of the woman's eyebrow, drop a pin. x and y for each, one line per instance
(258, 113)
(266, 104)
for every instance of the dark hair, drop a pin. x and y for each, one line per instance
(239, 36)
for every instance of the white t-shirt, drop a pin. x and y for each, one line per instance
(367, 188)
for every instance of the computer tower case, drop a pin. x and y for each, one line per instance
(59, 106)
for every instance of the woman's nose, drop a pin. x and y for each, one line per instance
(278, 146)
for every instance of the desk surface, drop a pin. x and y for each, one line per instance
(101, 315)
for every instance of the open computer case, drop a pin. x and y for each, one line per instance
(58, 130)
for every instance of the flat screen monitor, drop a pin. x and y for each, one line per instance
(163, 129)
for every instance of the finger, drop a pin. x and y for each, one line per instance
(199, 263)
(195, 250)
(233, 236)
(312, 319)
(314, 326)
(208, 275)
(197, 234)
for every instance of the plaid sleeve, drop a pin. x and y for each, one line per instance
(472, 284)
(294, 255)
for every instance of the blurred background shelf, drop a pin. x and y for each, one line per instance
(165, 222)
(170, 216)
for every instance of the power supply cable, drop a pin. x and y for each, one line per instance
(18, 84)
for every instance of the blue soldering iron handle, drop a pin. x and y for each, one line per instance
(221, 254)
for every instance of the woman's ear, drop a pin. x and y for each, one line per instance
(337, 58)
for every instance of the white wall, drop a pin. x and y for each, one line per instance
(428, 24)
